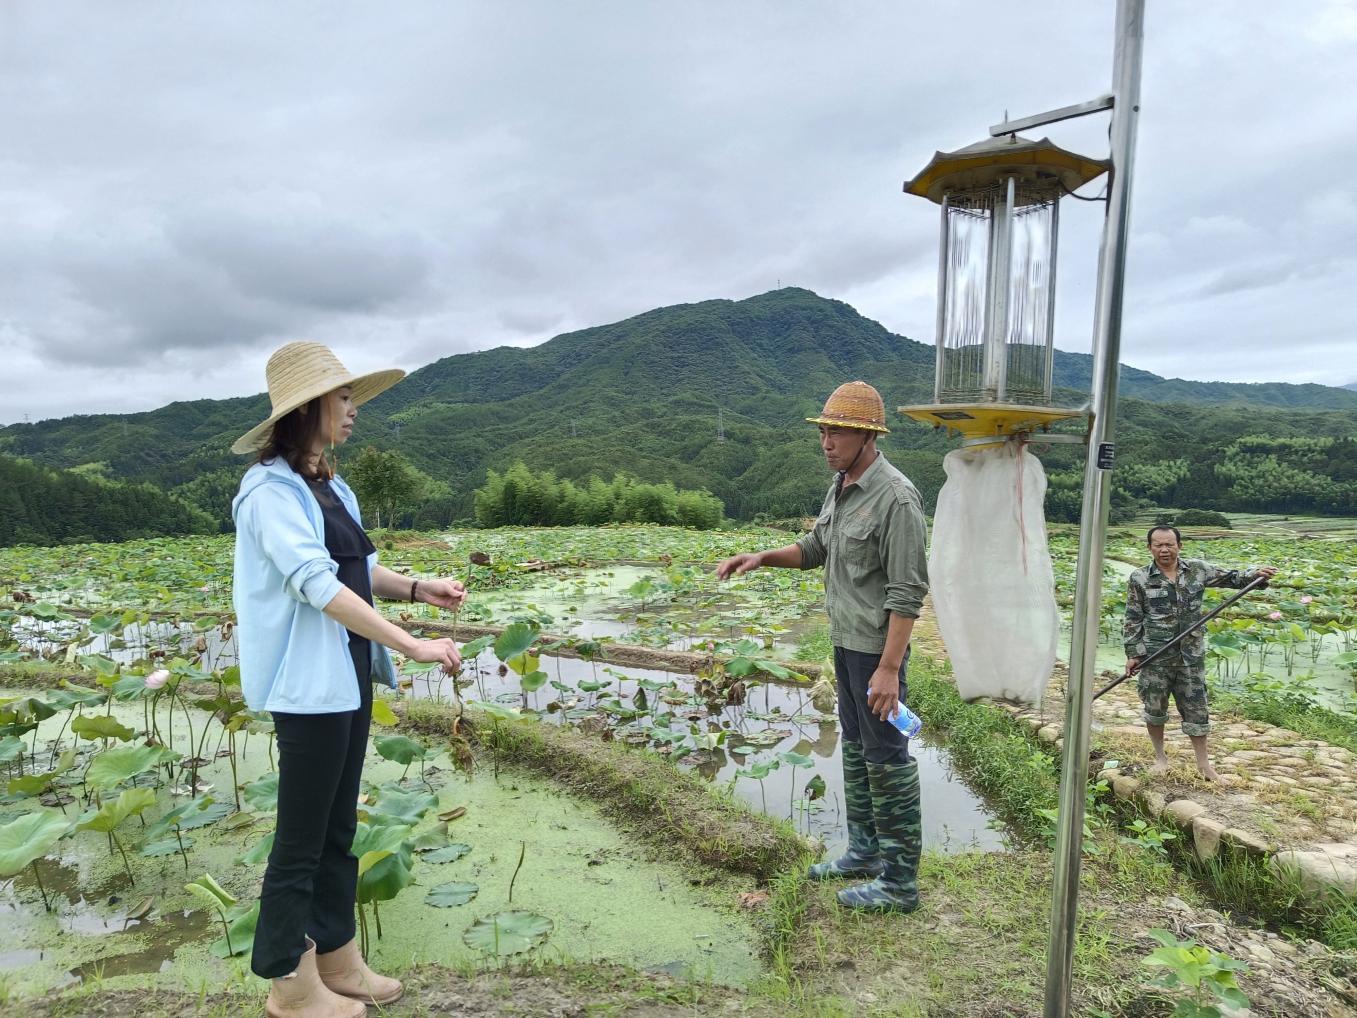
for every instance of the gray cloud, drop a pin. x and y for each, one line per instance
(184, 187)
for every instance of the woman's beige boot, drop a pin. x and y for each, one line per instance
(303, 995)
(344, 971)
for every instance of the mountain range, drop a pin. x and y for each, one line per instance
(712, 394)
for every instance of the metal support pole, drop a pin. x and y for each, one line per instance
(997, 283)
(1048, 379)
(940, 337)
(1093, 520)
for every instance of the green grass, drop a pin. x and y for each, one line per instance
(1016, 777)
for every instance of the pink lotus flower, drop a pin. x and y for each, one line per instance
(1275, 616)
(157, 678)
(1306, 599)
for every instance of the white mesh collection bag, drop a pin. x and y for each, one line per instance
(990, 574)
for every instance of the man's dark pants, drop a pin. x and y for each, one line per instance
(881, 741)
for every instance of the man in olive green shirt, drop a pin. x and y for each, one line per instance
(870, 539)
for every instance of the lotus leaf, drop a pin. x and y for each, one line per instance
(11, 748)
(127, 688)
(100, 726)
(262, 793)
(427, 841)
(257, 854)
(131, 802)
(376, 837)
(198, 812)
(382, 713)
(386, 878)
(99, 663)
(166, 846)
(115, 766)
(400, 748)
(207, 814)
(35, 784)
(506, 933)
(29, 837)
(515, 640)
(371, 859)
(533, 681)
(25, 708)
(496, 710)
(207, 890)
(395, 805)
(474, 649)
(524, 664)
(451, 853)
(457, 892)
(71, 695)
(239, 937)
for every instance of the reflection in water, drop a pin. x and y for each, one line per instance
(778, 719)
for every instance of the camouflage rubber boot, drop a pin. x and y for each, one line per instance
(895, 804)
(863, 858)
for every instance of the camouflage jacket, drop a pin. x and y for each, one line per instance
(1158, 609)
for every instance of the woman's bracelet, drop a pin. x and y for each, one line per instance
(414, 589)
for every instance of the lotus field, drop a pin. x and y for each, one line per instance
(138, 789)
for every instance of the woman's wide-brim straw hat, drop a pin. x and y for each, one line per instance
(299, 372)
(854, 405)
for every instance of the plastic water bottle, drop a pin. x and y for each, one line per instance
(907, 721)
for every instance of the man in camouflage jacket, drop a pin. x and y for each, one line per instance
(1164, 599)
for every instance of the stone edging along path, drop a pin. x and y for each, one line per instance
(1286, 799)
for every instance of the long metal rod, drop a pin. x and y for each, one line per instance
(1130, 38)
(1260, 581)
(1103, 102)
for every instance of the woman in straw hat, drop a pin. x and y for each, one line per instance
(311, 645)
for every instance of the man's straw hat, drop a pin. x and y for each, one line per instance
(854, 405)
(301, 371)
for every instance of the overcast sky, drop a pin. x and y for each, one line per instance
(185, 186)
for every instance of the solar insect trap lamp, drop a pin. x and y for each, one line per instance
(993, 585)
(1000, 202)
(990, 568)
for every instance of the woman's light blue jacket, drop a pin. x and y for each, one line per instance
(293, 657)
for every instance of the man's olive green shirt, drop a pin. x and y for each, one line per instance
(871, 541)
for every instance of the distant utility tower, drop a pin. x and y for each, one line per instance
(572, 429)
(720, 424)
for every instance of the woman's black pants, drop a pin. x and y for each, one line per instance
(312, 876)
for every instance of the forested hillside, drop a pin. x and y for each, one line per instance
(713, 395)
(39, 505)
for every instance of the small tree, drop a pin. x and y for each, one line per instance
(387, 484)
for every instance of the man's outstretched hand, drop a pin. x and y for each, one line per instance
(738, 565)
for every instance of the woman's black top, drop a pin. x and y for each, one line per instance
(349, 546)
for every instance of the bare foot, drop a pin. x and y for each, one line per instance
(1159, 766)
(1209, 773)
